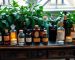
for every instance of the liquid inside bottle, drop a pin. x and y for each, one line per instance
(60, 34)
(45, 38)
(6, 37)
(21, 38)
(52, 33)
(13, 35)
(36, 35)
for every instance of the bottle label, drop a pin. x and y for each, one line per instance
(28, 39)
(36, 34)
(44, 39)
(73, 34)
(14, 42)
(21, 40)
(13, 35)
(21, 44)
(0, 38)
(41, 34)
(60, 35)
(6, 38)
(68, 39)
(36, 39)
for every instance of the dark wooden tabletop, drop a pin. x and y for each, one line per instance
(39, 47)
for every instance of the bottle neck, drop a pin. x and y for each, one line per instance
(65, 17)
(6, 30)
(21, 32)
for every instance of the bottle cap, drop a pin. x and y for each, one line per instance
(12, 26)
(6, 30)
(20, 30)
(36, 26)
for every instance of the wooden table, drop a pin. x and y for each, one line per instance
(37, 52)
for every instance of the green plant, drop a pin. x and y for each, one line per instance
(16, 14)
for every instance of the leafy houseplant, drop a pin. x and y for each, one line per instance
(16, 14)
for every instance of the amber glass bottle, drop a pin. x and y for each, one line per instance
(45, 38)
(42, 31)
(1, 41)
(36, 35)
(73, 32)
(6, 37)
(13, 35)
(67, 25)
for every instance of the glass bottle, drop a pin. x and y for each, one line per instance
(73, 32)
(68, 40)
(1, 41)
(24, 27)
(60, 34)
(52, 32)
(13, 35)
(36, 35)
(42, 31)
(6, 37)
(28, 39)
(67, 25)
(21, 38)
(45, 38)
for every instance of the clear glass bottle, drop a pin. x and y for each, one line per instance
(13, 35)
(6, 37)
(21, 38)
(60, 34)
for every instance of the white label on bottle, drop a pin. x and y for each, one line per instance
(73, 34)
(0, 38)
(28, 39)
(21, 40)
(13, 42)
(60, 35)
(21, 44)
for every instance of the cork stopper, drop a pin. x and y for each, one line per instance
(21, 30)
(6, 30)
(36, 26)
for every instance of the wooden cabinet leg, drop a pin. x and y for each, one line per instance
(67, 58)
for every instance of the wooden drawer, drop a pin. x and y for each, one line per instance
(12, 55)
(41, 54)
(60, 53)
